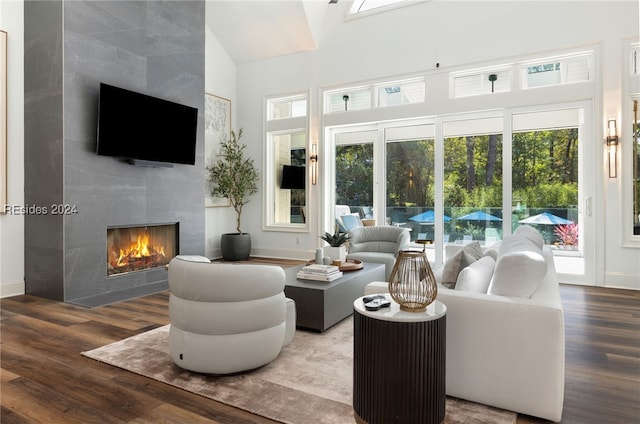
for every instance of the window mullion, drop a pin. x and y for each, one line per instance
(507, 176)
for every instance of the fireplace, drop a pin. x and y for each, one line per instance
(137, 248)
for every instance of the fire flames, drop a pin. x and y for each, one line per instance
(140, 254)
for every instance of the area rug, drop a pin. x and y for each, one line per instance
(310, 382)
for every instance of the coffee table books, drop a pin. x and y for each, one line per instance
(319, 272)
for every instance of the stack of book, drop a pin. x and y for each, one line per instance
(319, 272)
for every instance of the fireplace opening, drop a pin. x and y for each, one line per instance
(137, 248)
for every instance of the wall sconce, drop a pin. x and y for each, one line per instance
(314, 163)
(612, 143)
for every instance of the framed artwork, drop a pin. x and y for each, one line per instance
(3, 121)
(217, 128)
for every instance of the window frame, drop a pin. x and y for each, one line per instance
(561, 61)
(373, 98)
(275, 127)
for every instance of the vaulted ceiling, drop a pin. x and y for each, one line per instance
(259, 29)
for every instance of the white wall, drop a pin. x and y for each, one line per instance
(415, 38)
(12, 226)
(220, 80)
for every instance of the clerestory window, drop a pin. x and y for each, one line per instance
(479, 82)
(557, 71)
(392, 93)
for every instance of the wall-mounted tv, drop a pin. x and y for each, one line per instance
(293, 177)
(145, 129)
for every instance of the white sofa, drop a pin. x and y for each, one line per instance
(227, 318)
(505, 350)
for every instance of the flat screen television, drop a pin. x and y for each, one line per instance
(145, 129)
(293, 177)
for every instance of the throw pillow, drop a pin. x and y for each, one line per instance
(351, 221)
(531, 233)
(518, 270)
(460, 260)
(492, 250)
(518, 243)
(477, 276)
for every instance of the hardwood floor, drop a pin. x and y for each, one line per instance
(44, 379)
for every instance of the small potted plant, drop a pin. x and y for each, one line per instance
(235, 177)
(336, 249)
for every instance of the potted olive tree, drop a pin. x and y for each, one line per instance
(235, 177)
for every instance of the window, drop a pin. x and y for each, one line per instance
(348, 100)
(476, 83)
(472, 194)
(545, 184)
(289, 153)
(401, 93)
(565, 69)
(410, 179)
(460, 178)
(285, 153)
(364, 6)
(392, 93)
(556, 71)
(354, 169)
(291, 107)
(548, 185)
(470, 176)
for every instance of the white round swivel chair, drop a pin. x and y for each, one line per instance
(227, 318)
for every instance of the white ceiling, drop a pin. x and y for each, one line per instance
(252, 30)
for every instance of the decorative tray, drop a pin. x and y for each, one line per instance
(349, 265)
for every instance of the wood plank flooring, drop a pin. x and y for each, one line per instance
(44, 379)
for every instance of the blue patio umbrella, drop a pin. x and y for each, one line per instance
(428, 217)
(479, 216)
(545, 218)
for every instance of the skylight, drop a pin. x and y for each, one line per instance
(360, 6)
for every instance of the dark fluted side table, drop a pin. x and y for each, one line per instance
(399, 364)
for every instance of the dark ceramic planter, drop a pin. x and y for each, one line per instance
(235, 246)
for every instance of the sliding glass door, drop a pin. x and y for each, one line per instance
(548, 157)
(476, 177)
(354, 172)
(472, 189)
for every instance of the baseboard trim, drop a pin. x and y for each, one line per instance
(298, 254)
(619, 280)
(12, 289)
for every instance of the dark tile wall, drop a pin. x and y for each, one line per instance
(153, 47)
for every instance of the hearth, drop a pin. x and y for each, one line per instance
(138, 248)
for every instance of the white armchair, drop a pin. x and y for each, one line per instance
(227, 318)
(378, 244)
